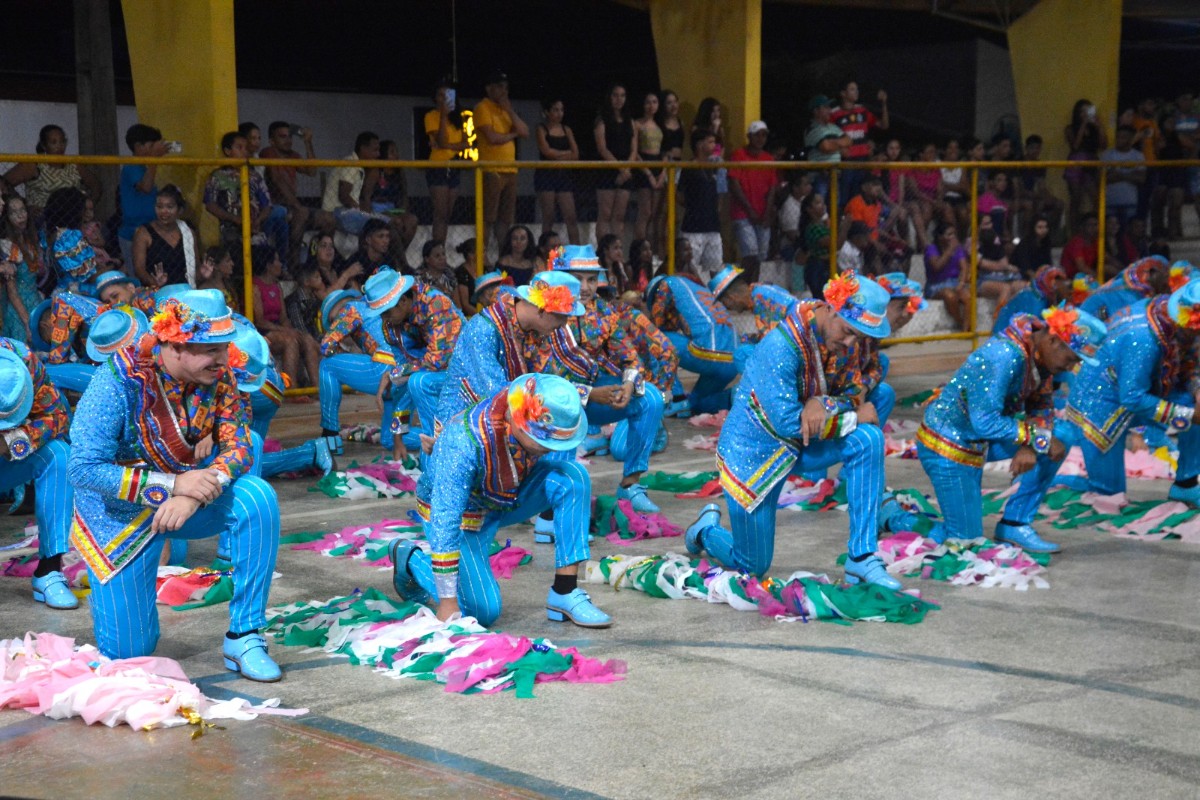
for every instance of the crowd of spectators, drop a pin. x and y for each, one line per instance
(888, 217)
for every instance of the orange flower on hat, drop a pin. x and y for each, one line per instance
(526, 406)
(1062, 322)
(555, 259)
(168, 323)
(555, 299)
(1188, 318)
(841, 289)
(237, 357)
(1178, 277)
(1081, 289)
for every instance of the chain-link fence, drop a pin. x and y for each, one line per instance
(971, 232)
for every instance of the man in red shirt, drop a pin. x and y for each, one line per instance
(752, 193)
(1080, 253)
(856, 120)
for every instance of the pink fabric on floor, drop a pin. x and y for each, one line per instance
(716, 420)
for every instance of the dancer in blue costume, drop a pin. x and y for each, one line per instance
(161, 445)
(33, 447)
(429, 326)
(1145, 375)
(791, 414)
(698, 325)
(1141, 280)
(974, 420)
(639, 413)
(377, 324)
(1049, 287)
(493, 468)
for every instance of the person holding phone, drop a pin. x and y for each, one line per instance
(1086, 138)
(444, 127)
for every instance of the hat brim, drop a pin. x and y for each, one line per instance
(561, 445)
(36, 341)
(578, 310)
(253, 385)
(880, 331)
(406, 285)
(724, 285)
(17, 418)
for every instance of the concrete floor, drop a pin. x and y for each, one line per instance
(1088, 689)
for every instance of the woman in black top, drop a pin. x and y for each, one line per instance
(1086, 139)
(615, 142)
(1033, 252)
(672, 127)
(556, 142)
(518, 256)
(464, 273)
(163, 247)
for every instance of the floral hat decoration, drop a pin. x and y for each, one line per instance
(197, 316)
(898, 285)
(548, 409)
(1078, 329)
(860, 301)
(556, 292)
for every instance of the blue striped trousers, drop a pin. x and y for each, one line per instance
(959, 490)
(362, 374)
(123, 610)
(710, 394)
(54, 501)
(750, 544)
(639, 422)
(563, 486)
(424, 387)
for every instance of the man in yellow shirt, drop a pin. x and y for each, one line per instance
(498, 127)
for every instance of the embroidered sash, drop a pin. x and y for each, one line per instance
(502, 472)
(159, 435)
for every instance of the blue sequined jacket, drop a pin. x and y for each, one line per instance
(680, 305)
(1135, 380)
(981, 403)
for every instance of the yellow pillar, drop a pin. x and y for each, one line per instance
(184, 82)
(1062, 51)
(711, 49)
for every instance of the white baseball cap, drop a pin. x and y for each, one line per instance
(756, 126)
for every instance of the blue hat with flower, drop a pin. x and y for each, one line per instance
(1081, 331)
(490, 279)
(555, 291)
(860, 301)
(115, 330)
(197, 316)
(1184, 306)
(899, 285)
(330, 302)
(575, 258)
(548, 410)
(383, 290)
(16, 388)
(723, 280)
(249, 358)
(107, 279)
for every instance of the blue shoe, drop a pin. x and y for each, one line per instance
(893, 517)
(709, 517)
(577, 607)
(937, 533)
(400, 551)
(324, 457)
(543, 530)
(1190, 496)
(873, 571)
(1024, 537)
(678, 409)
(596, 445)
(661, 439)
(248, 655)
(637, 497)
(53, 590)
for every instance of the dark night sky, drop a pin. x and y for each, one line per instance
(573, 50)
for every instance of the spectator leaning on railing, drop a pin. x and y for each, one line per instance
(137, 189)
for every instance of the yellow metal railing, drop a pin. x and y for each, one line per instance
(672, 170)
